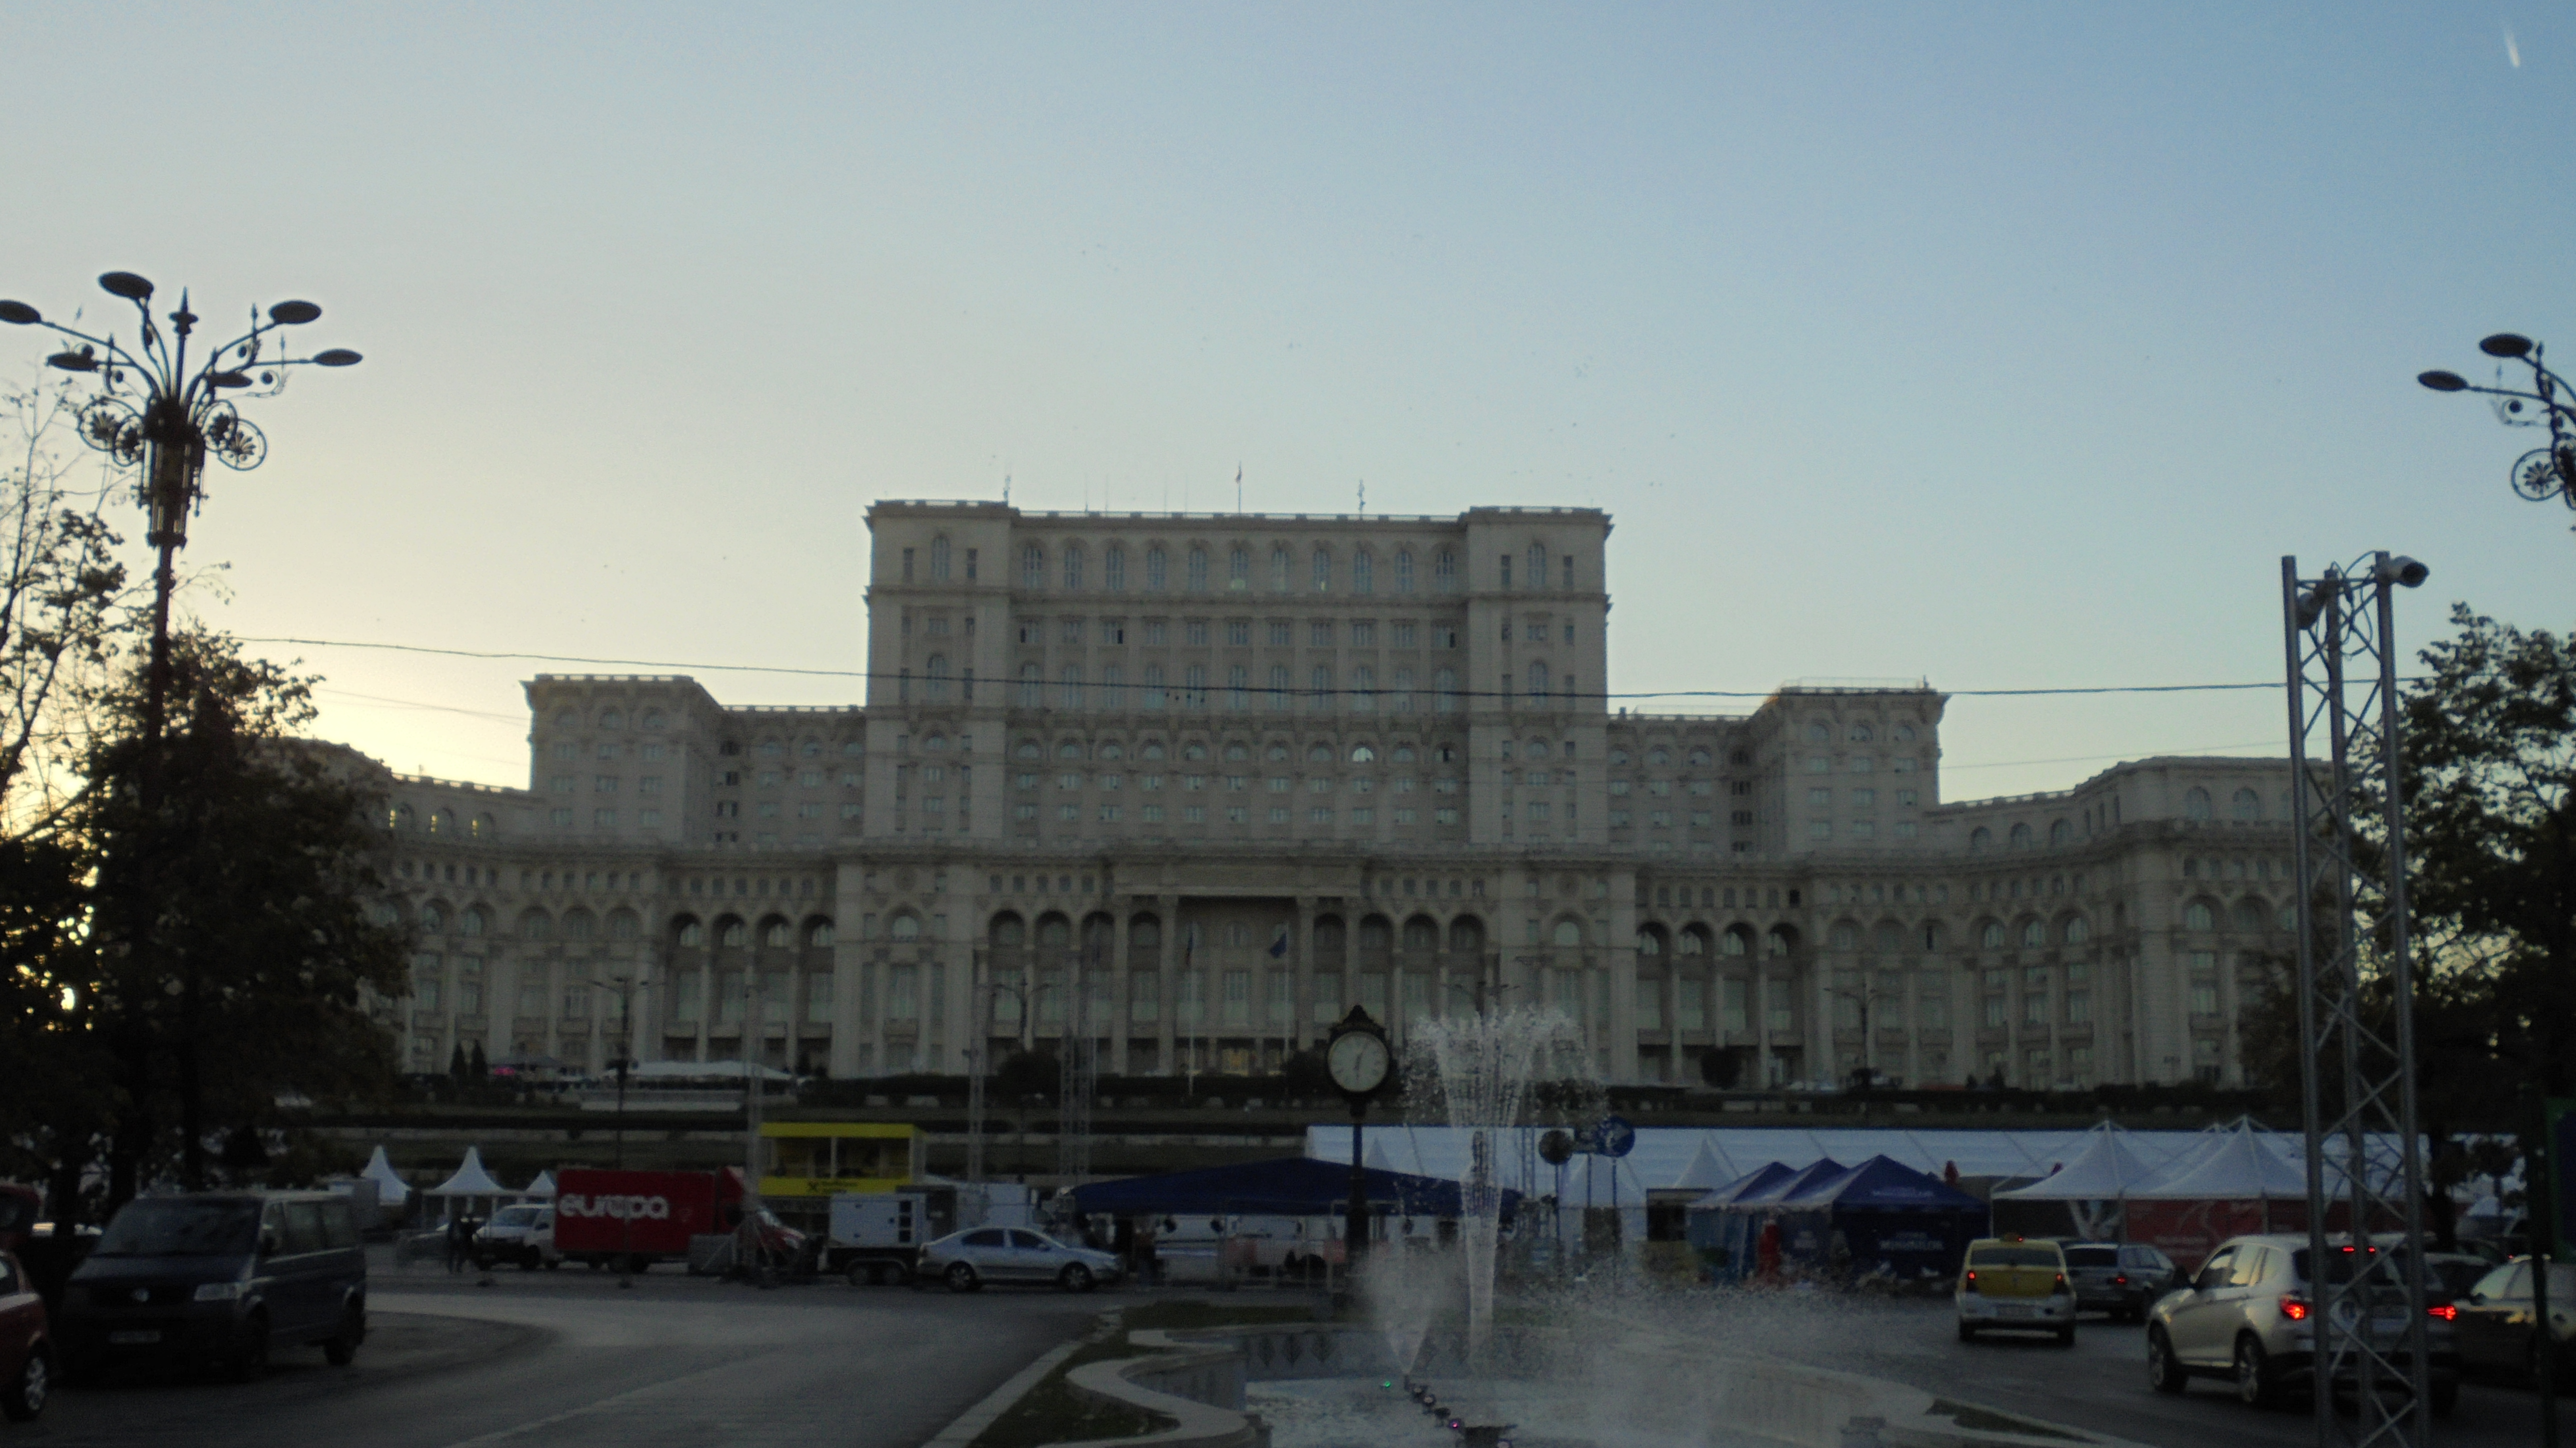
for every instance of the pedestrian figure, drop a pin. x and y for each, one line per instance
(1149, 1266)
(1766, 1252)
(460, 1241)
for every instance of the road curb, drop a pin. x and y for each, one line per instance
(970, 1425)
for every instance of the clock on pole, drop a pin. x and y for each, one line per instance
(1360, 1062)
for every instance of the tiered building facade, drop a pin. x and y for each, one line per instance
(1196, 784)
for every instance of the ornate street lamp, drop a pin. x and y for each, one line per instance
(2543, 472)
(156, 416)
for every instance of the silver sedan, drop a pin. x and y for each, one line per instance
(967, 1260)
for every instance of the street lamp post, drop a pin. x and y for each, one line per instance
(1864, 995)
(626, 987)
(153, 414)
(2543, 472)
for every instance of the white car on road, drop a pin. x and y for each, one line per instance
(967, 1260)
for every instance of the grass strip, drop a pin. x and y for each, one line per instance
(1986, 1420)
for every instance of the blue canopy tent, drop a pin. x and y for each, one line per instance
(1887, 1217)
(1742, 1211)
(1289, 1186)
(1704, 1225)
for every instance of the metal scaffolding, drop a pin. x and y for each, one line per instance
(2356, 1003)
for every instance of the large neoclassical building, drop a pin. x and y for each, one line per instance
(1195, 784)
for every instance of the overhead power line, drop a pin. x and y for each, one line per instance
(703, 668)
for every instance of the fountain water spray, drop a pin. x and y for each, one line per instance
(1484, 1063)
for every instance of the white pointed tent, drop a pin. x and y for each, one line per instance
(2242, 1166)
(1708, 1170)
(542, 1187)
(1376, 1158)
(2110, 1167)
(391, 1190)
(470, 1182)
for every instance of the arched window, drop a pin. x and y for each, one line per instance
(904, 926)
(938, 671)
(1055, 932)
(2060, 832)
(776, 935)
(1692, 941)
(1888, 938)
(1198, 577)
(1650, 941)
(1819, 734)
(1363, 689)
(1569, 935)
(2078, 930)
(1319, 694)
(2248, 805)
(1073, 568)
(1737, 941)
(2198, 916)
(691, 933)
(1032, 567)
(1538, 683)
(1981, 838)
(939, 560)
(1537, 566)
(1008, 932)
(1158, 576)
(432, 919)
(622, 925)
(1780, 942)
(577, 925)
(733, 934)
(471, 922)
(1862, 734)
(2195, 803)
(2020, 837)
(1363, 572)
(1990, 935)
(1238, 569)
(536, 925)
(1113, 569)
(2034, 934)
(1844, 936)
(1323, 567)
(1279, 568)
(1466, 935)
(1444, 571)
(1404, 570)
(2249, 914)
(653, 719)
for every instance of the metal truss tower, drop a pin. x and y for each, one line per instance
(1079, 1078)
(979, 1045)
(2356, 1002)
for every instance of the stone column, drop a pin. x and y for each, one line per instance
(1116, 1026)
(1167, 984)
(1761, 1019)
(1302, 994)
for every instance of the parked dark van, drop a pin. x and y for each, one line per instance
(219, 1278)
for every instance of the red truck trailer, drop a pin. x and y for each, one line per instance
(648, 1216)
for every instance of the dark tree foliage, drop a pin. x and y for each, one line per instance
(1026, 1075)
(2490, 776)
(226, 941)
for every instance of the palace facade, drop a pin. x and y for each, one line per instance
(1195, 784)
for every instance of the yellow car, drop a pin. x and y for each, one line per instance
(2017, 1285)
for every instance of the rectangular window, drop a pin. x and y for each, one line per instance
(1733, 1016)
(818, 999)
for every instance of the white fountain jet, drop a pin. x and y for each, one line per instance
(1485, 1063)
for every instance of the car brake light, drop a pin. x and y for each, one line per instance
(1971, 1284)
(2443, 1310)
(2295, 1308)
(2058, 1286)
(2120, 1279)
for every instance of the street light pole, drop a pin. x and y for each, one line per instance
(155, 416)
(2545, 472)
(626, 987)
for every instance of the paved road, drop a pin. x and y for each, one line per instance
(568, 1361)
(2101, 1383)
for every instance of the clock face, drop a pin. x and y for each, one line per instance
(1358, 1062)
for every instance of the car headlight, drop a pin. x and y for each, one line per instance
(219, 1291)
